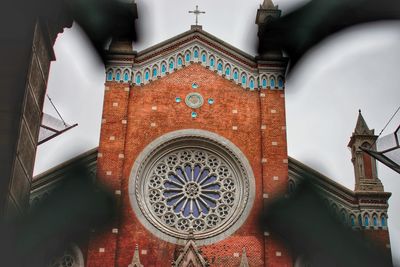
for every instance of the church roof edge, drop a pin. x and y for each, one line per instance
(199, 31)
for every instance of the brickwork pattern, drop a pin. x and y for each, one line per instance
(232, 106)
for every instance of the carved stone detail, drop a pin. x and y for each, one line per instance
(191, 180)
(136, 259)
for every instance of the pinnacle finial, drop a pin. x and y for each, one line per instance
(244, 262)
(268, 4)
(197, 12)
(136, 258)
(361, 126)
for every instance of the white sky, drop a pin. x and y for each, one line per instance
(356, 69)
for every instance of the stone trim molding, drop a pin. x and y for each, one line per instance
(239, 172)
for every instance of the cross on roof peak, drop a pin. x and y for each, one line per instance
(197, 12)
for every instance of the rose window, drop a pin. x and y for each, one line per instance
(190, 186)
(191, 189)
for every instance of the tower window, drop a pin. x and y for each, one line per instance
(280, 83)
(126, 76)
(109, 76)
(155, 72)
(196, 53)
(359, 220)
(204, 58)
(251, 84)
(343, 215)
(272, 82)
(171, 65)
(235, 75)
(375, 220)
(138, 79)
(244, 80)
(147, 75)
(264, 83)
(187, 57)
(228, 71)
(179, 61)
(220, 66)
(383, 221)
(163, 68)
(118, 76)
(352, 221)
(212, 63)
(366, 220)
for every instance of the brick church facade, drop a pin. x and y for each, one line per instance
(193, 144)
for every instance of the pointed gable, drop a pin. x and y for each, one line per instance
(268, 4)
(361, 126)
(136, 259)
(190, 256)
(197, 46)
(244, 262)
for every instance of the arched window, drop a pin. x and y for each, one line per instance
(126, 76)
(375, 220)
(179, 61)
(280, 82)
(196, 53)
(235, 75)
(343, 216)
(187, 57)
(228, 72)
(264, 83)
(359, 220)
(352, 221)
(292, 186)
(212, 63)
(335, 209)
(383, 221)
(251, 84)
(272, 82)
(204, 57)
(109, 76)
(366, 220)
(244, 79)
(171, 65)
(219, 67)
(163, 68)
(147, 75)
(138, 79)
(155, 72)
(118, 76)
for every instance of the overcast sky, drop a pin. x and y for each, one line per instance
(356, 69)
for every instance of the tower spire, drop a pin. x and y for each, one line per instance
(366, 176)
(267, 13)
(361, 126)
(136, 259)
(244, 262)
(268, 4)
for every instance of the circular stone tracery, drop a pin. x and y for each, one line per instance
(186, 181)
(194, 100)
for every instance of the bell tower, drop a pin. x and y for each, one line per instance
(267, 13)
(366, 176)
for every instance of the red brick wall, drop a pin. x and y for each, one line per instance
(380, 238)
(131, 138)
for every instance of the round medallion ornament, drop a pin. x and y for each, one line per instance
(191, 181)
(194, 100)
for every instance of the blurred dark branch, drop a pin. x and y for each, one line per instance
(66, 217)
(313, 231)
(299, 31)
